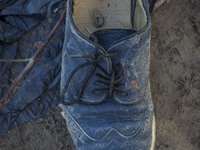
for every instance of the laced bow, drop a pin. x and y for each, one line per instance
(107, 80)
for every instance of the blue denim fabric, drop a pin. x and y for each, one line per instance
(118, 122)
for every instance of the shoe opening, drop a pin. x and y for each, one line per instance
(108, 14)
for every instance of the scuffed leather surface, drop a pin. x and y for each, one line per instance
(113, 123)
(108, 37)
(134, 56)
(77, 46)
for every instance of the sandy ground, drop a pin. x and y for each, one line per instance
(175, 85)
(175, 74)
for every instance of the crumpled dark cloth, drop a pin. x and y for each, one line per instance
(24, 24)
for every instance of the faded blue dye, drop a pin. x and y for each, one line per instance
(119, 122)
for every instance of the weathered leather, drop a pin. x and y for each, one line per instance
(119, 122)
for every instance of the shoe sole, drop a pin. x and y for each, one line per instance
(153, 133)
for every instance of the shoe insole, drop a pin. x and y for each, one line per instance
(117, 14)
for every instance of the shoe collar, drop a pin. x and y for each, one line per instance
(76, 32)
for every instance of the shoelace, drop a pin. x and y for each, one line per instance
(109, 81)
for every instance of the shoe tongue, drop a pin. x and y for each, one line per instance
(109, 36)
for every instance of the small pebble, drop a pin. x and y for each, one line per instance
(98, 19)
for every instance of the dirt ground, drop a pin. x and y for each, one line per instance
(175, 74)
(175, 85)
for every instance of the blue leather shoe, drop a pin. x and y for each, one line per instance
(105, 87)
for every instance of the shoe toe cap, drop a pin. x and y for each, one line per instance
(113, 138)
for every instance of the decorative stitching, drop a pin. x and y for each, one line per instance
(113, 129)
